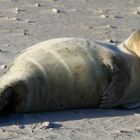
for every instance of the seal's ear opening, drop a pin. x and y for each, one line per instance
(133, 43)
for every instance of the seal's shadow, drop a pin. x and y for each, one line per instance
(66, 115)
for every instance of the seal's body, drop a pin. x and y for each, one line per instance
(71, 73)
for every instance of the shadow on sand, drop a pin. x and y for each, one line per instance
(66, 115)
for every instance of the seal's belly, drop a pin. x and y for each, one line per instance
(72, 82)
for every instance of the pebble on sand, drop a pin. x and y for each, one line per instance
(101, 10)
(54, 10)
(3, 67)
(17, 9)
(137, 129)
(25, 32)
(15, 19)
(28, 21)
(112, 41)
(137, 12)
(45, 125)
(110, 26)
(38, 5)
(104, 16)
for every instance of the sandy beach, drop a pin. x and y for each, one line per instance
(26, 22)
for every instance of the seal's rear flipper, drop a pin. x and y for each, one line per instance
(133, 43)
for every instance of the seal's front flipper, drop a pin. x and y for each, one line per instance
(12, 97)
(5, 97)
(114, 94)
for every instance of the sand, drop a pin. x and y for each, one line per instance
(26, 22)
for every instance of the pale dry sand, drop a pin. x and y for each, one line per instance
(26, 22)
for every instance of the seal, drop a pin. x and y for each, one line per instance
(67, 73)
